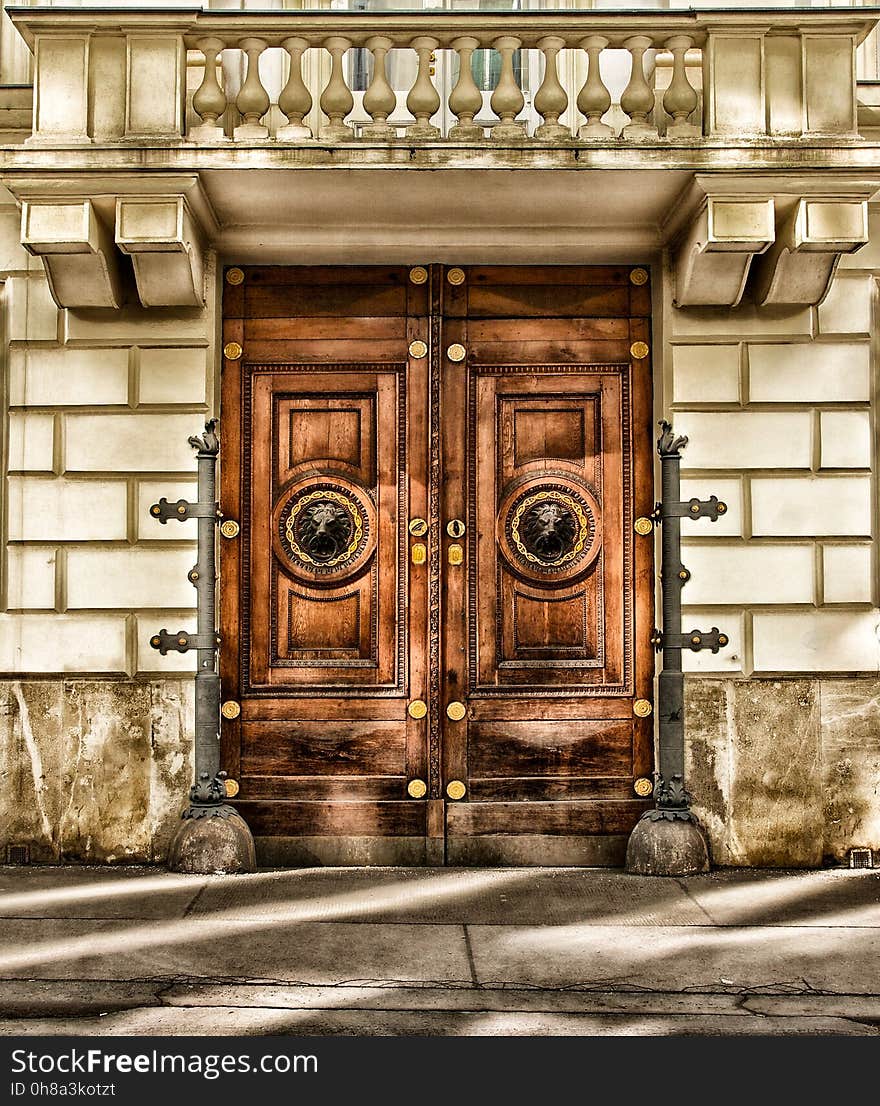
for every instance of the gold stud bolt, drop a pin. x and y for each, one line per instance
(638, 276)
(417, 789)
(418, 274)
(181, 640)
(643, 787)
(232, 351)
(696, 639)
(723, 639)
(234, 276)
(456, 711)
(418, 708)
(639, 350)
(684, 574)
(417, 349)
(230, 709)
(721, 508)
(456, 352)
(229, 528)
(642, 708)
(455, 789)
(643, 526)
(231, 787)
(455, 276)
(155, 642)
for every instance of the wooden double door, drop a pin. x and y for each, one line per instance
(436, 615)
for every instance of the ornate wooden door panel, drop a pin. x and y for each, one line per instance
(321, 639)
(493, 651)
(548, 632)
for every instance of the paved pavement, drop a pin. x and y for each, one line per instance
(448, 952)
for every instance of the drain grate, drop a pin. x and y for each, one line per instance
(18, 854)
(861, 858)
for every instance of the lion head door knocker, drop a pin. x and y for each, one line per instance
(324, 529)
(549, 528)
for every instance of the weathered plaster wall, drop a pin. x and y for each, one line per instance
(94, 770)
(785, 772)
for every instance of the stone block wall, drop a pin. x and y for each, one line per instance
(783, 729)
(100, 407)
(94, 767)
(95, 727)
(777, 405)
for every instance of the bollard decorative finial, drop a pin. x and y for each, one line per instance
(207, 443)
(667, 444)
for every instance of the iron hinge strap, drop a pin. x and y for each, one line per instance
(711, 508)
(182, 510)
(182, 641)
(696, 640)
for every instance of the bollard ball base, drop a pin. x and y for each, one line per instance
(212, 846)
(662, 847)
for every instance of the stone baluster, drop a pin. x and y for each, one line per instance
(336, 99)
(379, 99)
(295, 100)
(551, 99)
(423, 99)
(638, 98)
(507, 100)
(209, 99)
(253, 99)
(594, 99)
(465, 100)
(680, 98)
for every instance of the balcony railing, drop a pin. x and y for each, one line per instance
(305, 78)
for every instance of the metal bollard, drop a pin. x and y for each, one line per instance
(208, 794)
(670, 795)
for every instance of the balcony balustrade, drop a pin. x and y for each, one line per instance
(306, 78)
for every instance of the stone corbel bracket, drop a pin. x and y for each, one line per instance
(77, 251)
(160, 235)
(714, 253)
(800, 265)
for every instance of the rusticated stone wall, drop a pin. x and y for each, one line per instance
(785, 772)
(94, 770)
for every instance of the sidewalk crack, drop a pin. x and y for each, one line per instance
(470, 956)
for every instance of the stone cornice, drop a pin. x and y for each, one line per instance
(792, 156)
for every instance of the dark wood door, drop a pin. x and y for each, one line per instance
(436, 615)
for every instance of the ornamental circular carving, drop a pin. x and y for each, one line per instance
(549, 529)
(324, 529)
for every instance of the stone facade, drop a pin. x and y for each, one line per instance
(779, 402)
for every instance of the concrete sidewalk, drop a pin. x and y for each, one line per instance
(402, 951)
